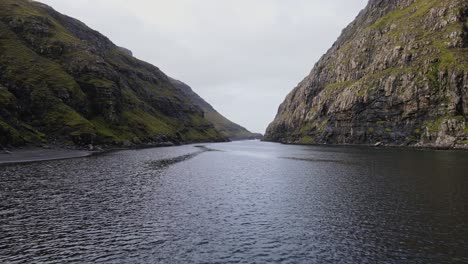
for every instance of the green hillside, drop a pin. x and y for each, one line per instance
(64, 83)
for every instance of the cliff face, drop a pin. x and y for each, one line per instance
(398, 75)
(229, 129)
(62, 82)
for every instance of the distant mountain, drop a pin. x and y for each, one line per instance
(229, 129)
(397, 75)
(62, 82)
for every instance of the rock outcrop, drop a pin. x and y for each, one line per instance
(64, 83)
(228, 128)
(397, 75)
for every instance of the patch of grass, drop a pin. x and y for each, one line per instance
(198, 120)
(192, 135)
(305, 128)
(307, 140)
(63, 117)
(434, 126)
(420, 8)
(130, 98)
(339, 85)
(135, 124)
(322, 125)
(447, 59)
(313, 126)
(109, 133)
(433, 75)
(144, 123)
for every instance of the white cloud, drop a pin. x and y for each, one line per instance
(242, 56)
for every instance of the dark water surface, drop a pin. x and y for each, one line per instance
(248, 202)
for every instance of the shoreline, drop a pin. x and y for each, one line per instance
(33, 154)
(380, 146)
(38, 154)
(30, 155)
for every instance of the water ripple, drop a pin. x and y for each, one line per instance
(238, 203)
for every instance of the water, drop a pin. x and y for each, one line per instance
(240, 202)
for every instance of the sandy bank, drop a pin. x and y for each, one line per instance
(39, 154)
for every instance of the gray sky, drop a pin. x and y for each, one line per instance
(242, 56)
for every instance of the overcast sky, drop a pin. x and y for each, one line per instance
(242, 56)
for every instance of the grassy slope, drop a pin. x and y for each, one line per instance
(227, 127)
(58, 86)
(221, 123)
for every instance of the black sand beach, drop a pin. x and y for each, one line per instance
(39, 154)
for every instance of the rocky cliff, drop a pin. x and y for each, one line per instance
(228, 128)
(62, 82)
(397, 75)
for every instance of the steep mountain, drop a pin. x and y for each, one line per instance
(62, 82)
(397, 75)
(229, 129)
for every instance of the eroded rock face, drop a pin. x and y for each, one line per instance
(397, 75)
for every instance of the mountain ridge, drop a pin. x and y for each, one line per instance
(231, 130)
(396, 75)
(64, 83)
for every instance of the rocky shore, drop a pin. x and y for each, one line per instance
(380, 145)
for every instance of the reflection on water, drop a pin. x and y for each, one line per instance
(249, 202)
